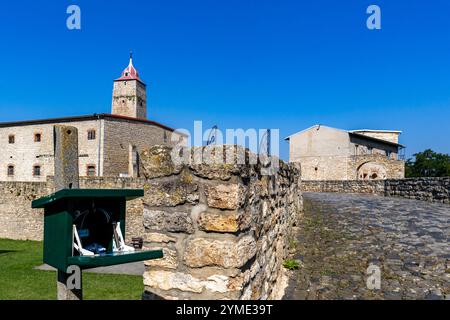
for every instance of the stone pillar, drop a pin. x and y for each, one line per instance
(66, 177)
(66, 158)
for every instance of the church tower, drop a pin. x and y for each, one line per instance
(129, 94)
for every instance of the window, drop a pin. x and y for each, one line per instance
(10, 170)
(11, 139)
(90, 171)
(37, 137)
(91, 134)
(36, 171)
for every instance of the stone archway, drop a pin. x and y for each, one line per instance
(371, 171)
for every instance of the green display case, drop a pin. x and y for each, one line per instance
(94, 213)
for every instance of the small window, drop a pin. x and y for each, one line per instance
(91, 134)
(90, 171)
(11, 139)
(37, 171)
(37, 137)
(10, 170)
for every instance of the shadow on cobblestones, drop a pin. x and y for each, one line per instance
(341, 235)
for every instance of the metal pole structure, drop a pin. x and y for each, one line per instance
(66, 176)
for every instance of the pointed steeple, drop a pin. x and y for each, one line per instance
(130, 72)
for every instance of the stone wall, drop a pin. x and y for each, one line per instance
(428, 189)
(19, 221)
(224, 228)
(346, 186)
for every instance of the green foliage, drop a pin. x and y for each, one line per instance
(291, 264)
(428, 164)
(20, 281)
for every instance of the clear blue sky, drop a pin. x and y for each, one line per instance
(237, 63)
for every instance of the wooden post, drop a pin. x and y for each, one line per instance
(66, 177)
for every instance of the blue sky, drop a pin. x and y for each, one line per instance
(237, 63)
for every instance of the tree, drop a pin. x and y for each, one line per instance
(428, 164)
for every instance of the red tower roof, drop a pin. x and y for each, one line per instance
(130, 72)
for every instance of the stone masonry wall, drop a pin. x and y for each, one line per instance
(19, 221)
(224, 228)
(428, 189)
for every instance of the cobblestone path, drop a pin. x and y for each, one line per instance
(341, 235)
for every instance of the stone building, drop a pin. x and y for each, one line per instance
(109, 144)
(332, 154)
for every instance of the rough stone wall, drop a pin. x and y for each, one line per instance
(120, 136)
(393, 169)
(347, 186)
(224, 228)
(129, 99)
(351, 167)
(19, 221)
(427, 189)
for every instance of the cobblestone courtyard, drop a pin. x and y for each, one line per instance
(341, 235)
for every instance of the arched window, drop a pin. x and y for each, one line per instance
(10, 170)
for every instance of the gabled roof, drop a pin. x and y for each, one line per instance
(312, 127)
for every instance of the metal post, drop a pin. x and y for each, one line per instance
(66, 176)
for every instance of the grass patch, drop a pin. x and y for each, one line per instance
(291, 264)
(19, 281)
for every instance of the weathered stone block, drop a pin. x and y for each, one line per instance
(219, 162)
(225, 196)
(157, 162)
(169, 260)
(170, 194)
(158, 238)
(218, 222)
(202, 252)
(167, 221)
(168, 280)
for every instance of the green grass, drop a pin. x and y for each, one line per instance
(19, 281)
(291, 264)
